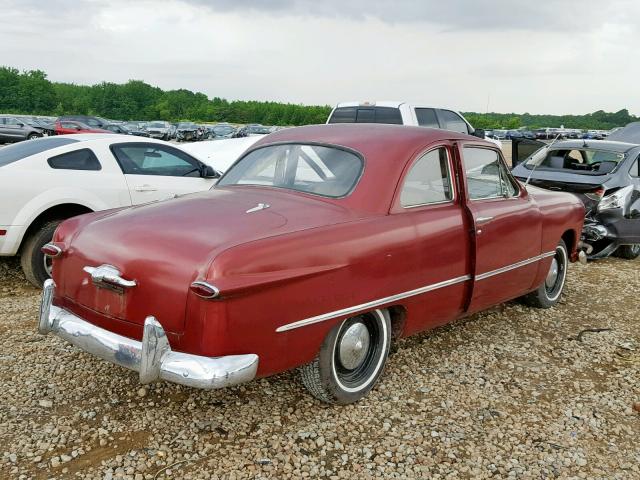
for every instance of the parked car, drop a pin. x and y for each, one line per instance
(123, 130)
(223, 131)
(500, 134)
(159, 129)
(68, 127)
(604, 175)
(403, 113)
(220, 154)
(302, 257)
(90, 120)
(187, 132)
(50, 179)
(15, 130)
(511, 134)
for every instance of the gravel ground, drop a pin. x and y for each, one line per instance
(511, 392)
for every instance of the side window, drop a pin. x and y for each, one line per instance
(452, 121)
(635, 168)
(152, 159)
(12, 122)
(428, 181)
(70, 125)
(343, 115)
(427, 117)
(487, 177)
(83, 159)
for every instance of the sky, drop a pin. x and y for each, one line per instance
(552, 56)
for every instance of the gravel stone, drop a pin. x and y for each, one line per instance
(506, 393)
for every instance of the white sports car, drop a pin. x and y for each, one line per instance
(47, 180)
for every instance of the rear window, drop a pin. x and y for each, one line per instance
(18, 151)
(317, 169)
(389, 115)
(581, 161)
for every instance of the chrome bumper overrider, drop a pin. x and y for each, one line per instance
(152, 357)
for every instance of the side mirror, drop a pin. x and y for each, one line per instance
(478, 132)
(20, 124)
(207, 171)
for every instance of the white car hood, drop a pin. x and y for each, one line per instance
(220, 154)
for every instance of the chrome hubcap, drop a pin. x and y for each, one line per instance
(552, 276)
(354, 346)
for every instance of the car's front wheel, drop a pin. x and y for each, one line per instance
(35, 265)
(549, 293)
(628, 252)
(33, 136)
(351, 359)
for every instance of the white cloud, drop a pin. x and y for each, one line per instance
(559, 57)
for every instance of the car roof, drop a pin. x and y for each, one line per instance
(610, 145)
(389, 103)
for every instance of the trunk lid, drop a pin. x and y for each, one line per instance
(165, 246)
(588, 188)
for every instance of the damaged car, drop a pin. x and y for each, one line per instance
(604, 174)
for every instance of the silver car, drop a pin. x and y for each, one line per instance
(159, 129)
(15, 130)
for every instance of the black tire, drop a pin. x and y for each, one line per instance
(628, 252)
(32, 259)
(341, 375)
(550, 292)
(33, 136)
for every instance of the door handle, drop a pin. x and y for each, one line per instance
(145, 188)
(481, 220)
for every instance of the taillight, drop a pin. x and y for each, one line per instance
(596, 195)
(204, 290)
(51, 250)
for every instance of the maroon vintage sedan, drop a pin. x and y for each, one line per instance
(316, 249)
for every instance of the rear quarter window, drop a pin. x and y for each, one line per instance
(83, 159)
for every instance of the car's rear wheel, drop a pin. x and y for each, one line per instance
(33, 136)
(629, 252)
(350, 360)
(549, 293)
(35, 265)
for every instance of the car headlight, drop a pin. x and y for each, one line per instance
(617, 199)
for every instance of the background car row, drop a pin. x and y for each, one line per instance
(15, 128)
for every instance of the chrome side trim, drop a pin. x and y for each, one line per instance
(372, 304)
(513, 266)
(410, 293)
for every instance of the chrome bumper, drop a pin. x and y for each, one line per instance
(152, 357)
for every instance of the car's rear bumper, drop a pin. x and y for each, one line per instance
(152, 357)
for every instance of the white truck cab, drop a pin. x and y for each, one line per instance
(403, 113)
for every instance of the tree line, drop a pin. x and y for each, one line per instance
(32, 93)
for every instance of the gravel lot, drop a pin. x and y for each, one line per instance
(508, 393)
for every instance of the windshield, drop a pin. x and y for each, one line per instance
(156, 125)
(18, 151)
(321, 170)
(578, 160)
(187, 125)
